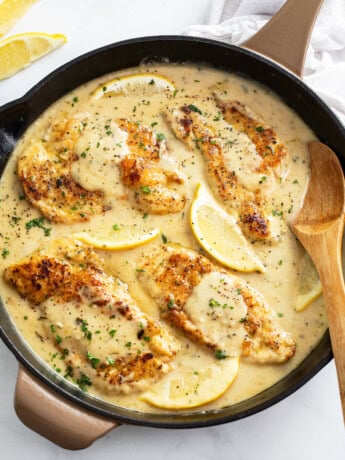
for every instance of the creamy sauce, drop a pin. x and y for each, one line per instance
(100, 153)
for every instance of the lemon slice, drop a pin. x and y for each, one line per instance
(18, 51)
(118, 238)
(218, 233)
(193, 387)
(309, 284)
(136, 84)
(11, 11)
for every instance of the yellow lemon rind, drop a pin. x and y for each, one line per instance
(121, 245)
(119, 85)
(253, 262)
(157, 396)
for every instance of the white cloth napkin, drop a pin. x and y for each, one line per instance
(234, 21)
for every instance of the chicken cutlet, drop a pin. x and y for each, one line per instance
(274, 156)
(214, 308)
(142, 172)
(45, 170)
(48, 185)
(103, 336)
(247, 206)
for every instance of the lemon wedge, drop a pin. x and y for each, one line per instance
(193, 387)
(309, 284)
(11, 11)
(18, 51)
(218, 233)
(118, 238)
(136, 84)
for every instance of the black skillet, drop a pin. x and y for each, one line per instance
(44, 401)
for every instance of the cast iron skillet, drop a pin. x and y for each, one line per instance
(63, 420)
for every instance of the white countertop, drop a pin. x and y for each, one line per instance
(307, 425)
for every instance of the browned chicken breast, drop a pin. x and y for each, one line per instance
(141, 171)
(248, 206)
(267, 144)
(45, 171)
(45, 175)
(213, 307)
(102, 335)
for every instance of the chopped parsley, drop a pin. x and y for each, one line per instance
(164, 238)
(110, 361)
(220, 354)
(128, 344)
(151, 82)
(112, 332)
(94, 361)
(5, 252)
(116, 227)
(145, 189)
(38, 222)
(58, 339)
(217, 117)
(83, 382)
(213, 303)
(171, 301)
(154, 124)
(160, 137)
(194, 108)
(259, 129)
(84, 328)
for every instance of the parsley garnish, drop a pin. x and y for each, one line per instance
(38, 222)
(194, 108)
(5, 253)
(94, 361)
(171, 301)
(83, 382)
(145, 189)
(259, 129)
(164, 238)
(213, 303)
(220, 354)
(160, 137)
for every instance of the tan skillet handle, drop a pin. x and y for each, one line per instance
(285, 37)
(55, 418)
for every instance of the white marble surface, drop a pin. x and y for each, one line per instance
(307, 425)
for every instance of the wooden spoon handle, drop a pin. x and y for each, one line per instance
(330, 271)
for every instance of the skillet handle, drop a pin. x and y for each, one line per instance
(56, 418)
(285, 37)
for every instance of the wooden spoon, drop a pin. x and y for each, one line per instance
(319, 227)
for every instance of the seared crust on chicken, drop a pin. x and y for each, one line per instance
(171, 274)
(141, 171)
(192, 129)
(67, 282)
(268, 146)
(45, 174)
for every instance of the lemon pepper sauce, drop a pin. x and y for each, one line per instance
(23, 230)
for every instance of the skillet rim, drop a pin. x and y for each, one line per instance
(167, 420)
